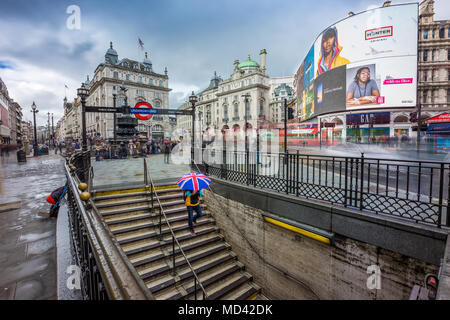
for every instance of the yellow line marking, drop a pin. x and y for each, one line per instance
(299, 230)
(253, 296)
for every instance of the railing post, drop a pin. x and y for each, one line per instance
(297, 173)
(346, 181)
(286, 175)
(441, 195)
(173, 254)
(224, 157)
(362, 182)
(448, 199)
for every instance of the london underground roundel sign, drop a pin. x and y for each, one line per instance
(143, 105)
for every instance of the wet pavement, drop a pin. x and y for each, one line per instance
(27, 240)
(131, 171)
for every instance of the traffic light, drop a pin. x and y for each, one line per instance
(413, 117)
(290, 113)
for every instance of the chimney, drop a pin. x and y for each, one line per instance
(262, 59)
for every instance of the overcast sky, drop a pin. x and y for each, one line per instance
(39, 55)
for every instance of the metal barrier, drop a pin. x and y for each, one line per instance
(106, 272)
(415, 190)
(147, 179)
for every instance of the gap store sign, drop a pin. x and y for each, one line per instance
(368, 118)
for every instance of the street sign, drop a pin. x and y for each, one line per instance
(143, 110)
(160, 111)
(104, 109)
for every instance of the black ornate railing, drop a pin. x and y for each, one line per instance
(414, 190)
(106, 273)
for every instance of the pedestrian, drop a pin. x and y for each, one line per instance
(166, 152)
(55, 199)
(192, 202)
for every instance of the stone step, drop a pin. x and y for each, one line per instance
(136, 200)
(148, 244)
(186, 275)
(125, 196)
(150, 233)
(151, 271)
(220, 288)
(150, 222)
(140, 205)
(165, 248)
(208, 277)
(247, 291)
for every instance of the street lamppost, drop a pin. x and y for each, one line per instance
(83, 92)
(193, 100)
(35, 145)
(246, 96)
(48, 130)
(53, 131)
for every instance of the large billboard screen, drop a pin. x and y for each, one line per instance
(365, 61)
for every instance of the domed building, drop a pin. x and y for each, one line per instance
(142, 83)
(222, 104)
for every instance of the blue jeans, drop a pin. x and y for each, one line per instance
(190, 211)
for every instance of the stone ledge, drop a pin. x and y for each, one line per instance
(9, 203)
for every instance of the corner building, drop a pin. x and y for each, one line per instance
(142, 84)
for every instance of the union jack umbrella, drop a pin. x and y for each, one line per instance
(194, 181)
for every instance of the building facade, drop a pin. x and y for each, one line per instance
(5, 132)
(15, 122)
(142, 84)
(433, 91)
(222, 105)
(434, 62)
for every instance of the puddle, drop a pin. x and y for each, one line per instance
(35, 236)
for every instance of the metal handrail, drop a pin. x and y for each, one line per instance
(119, 279)
(147, 175)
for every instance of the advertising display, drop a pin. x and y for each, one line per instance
(368, 60)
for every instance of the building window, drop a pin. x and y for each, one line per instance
(448, 53)
(425, 34)
(127, 77)
(115, 75)
(157, 95)
(225, 112)
(150, 81)
(425, 76)
(160, 83)
(441, 33)
(157, 104)
(140, 79)
(433, 34)
(261, 107)
(242, 83)
(433, 55)
(236, 110)
(250, 81)
(448, 95)
(229, 87)
(425, 55)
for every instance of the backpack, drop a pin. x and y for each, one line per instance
(192, 200)
(56, 195)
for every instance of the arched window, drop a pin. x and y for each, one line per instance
(157, 104)
(225, 113)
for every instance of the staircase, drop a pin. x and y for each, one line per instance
(128, 215)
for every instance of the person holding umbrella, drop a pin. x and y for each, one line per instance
(192, 183)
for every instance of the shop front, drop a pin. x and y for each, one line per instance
(367, 127)
(438, 133)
